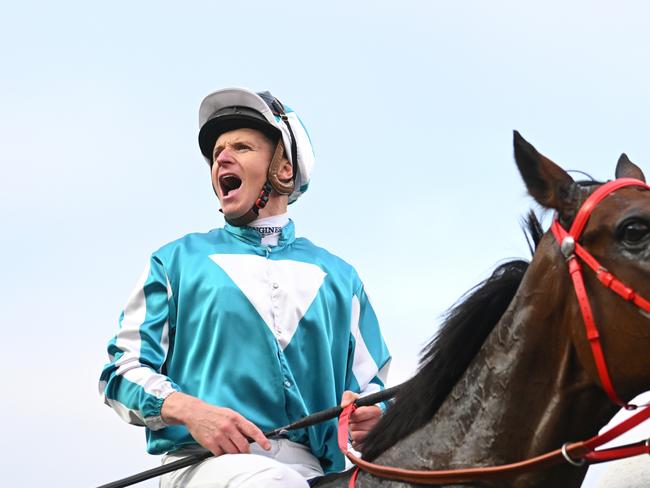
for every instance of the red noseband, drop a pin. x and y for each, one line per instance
(569, 246)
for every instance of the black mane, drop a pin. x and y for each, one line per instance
(465, 327)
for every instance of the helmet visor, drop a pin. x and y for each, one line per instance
(231, 118)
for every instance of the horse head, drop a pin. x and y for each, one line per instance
(617, 235)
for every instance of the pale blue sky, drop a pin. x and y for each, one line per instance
(410, 105)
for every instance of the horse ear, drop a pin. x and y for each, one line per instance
(547, 183)
(627, 169)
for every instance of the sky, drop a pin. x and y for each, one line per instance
(410, 106)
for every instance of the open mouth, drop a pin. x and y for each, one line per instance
(229, 183)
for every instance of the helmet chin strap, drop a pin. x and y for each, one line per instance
(273, 182)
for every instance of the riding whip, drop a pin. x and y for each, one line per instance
(307, 421)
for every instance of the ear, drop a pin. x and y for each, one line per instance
(286, 170)
(280, 171)
(547, 183)
(627, 169)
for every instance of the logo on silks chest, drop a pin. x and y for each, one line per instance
(268, 230)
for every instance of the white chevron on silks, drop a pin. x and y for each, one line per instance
(281, 291)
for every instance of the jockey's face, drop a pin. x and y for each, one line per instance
(241, 160)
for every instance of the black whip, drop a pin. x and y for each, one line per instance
(314, 418)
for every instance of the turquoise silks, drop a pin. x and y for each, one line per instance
(275, 333)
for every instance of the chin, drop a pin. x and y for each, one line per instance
(233, 213)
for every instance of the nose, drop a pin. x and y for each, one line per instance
(224, 156)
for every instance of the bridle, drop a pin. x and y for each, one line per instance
(576, 453)
(572, 250)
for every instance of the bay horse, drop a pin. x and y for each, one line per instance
(510, 374)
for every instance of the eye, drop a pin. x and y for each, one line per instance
(633, 231)
(242, 147)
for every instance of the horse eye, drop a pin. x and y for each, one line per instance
(634, 232)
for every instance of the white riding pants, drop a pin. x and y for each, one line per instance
(286, 465)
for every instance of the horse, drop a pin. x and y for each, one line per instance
(510, 373)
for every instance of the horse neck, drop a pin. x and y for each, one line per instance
(524, 394)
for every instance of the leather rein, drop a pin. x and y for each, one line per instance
(576, 453)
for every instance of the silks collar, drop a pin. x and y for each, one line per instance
(254, 237)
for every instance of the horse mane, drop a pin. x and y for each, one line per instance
(464, 329)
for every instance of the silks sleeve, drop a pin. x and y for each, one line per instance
(132, 382)
(371, 359)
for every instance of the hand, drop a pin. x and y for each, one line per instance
(361, 421)
(220, 430)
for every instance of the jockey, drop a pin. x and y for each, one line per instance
(243, 329)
